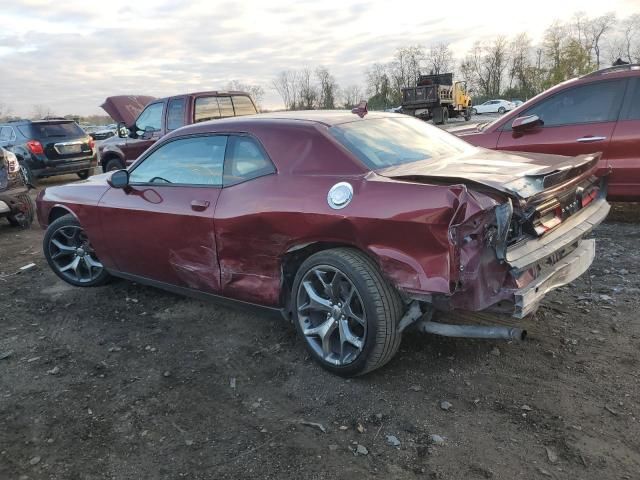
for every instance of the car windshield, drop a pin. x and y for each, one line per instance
(386, 142)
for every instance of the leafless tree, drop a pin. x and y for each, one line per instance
(439, 59)
(596, 30)
(485, 65)
(308, 93)
(41, 111)
(328, 88)
(351, 96)
(631, 35)
(256, 91)
(404, 70)
(287, 86)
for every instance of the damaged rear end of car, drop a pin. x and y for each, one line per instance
(507, 257)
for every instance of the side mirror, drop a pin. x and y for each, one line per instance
(148, 132)
(119, 179)
(523, 124)
(123, 131)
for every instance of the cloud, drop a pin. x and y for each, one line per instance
(73, 56)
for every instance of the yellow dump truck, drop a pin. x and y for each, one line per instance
(437, 97)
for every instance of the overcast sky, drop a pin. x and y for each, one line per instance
(69, 55)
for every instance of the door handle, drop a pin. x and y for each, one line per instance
(199, 205)
(590, 139)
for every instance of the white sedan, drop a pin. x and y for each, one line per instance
(493, 106)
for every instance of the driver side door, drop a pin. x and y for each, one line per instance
(160, 227)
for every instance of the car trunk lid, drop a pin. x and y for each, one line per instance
(544, 190)
(520, 175)
(126, 108)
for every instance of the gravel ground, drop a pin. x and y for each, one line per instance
(130, 382)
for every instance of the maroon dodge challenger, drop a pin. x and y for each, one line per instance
(355, 226)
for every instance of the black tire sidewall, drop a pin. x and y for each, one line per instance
(84, 174)
(111, 161)
(29, 214)
(327, 258)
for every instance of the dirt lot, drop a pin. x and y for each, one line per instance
(130, 382)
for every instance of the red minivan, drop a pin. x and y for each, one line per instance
(599, 112)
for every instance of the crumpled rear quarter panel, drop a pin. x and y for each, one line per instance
(403, 226)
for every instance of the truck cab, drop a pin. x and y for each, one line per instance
(143, 120)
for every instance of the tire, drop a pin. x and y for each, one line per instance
(374, 301)
(502, 110)
(474, 111)
(445, 116)
(25, 217)
(72, 247)
(113, 164)
(26, 174)
(84, 174)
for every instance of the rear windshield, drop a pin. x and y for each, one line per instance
(52, 130)
(243, 105)
(385, 142)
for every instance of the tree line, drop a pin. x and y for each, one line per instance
(512, 68)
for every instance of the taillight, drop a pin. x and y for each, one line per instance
(587, 198)
(35, 147)
(12, 162)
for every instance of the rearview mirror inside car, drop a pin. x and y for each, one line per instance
(123, 131)
(522, 124)
(119, 179)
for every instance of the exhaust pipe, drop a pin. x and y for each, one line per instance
(472, 331)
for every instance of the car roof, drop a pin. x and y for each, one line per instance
(325, 117)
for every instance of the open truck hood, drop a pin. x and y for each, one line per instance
(522, 175)
(126, 108)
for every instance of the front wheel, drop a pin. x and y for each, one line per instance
(474, 111)
(113, 164)
(501, 110)
(84, 174)
(345, 311)
(70, 254)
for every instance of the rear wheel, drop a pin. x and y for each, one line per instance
(445, 115)
(345, 311)
(501, 110)
(70, 254)
(24, 218)
(84, 174)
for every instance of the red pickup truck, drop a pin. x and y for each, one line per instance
(142, 120)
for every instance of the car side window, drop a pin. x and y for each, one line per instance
(175, 113)
(206, 108)
(245, 160)
(595, 102)
(151, 117)
(634, 107)
(185, 161)
(5, 134)
(226, 107)
(243, 105)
